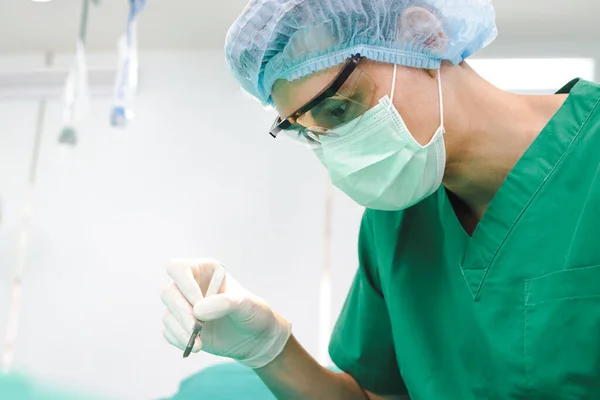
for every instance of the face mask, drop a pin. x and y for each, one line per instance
(379, 164)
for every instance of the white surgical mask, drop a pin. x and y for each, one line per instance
(379, 164)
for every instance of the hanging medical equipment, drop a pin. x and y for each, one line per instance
(76, 93)
(14, 307)
(127, 77)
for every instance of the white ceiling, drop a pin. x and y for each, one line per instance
(194, 24)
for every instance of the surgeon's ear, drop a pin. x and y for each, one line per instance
(418, 25)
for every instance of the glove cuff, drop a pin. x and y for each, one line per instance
(273, 345)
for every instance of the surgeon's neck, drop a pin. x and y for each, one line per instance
(487, 131)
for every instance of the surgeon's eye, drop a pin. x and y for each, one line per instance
(340, 110)
(334, 112)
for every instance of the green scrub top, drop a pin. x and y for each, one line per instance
(511, 312)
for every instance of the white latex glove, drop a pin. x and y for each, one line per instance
(239, 325)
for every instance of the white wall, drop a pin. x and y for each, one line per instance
(583, 48)
(195, 174)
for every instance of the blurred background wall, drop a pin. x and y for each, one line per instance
(194, 174)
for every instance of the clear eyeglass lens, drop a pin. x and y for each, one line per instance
(346, 107)
(302, 135)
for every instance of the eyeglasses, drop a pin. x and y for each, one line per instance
(343, 101)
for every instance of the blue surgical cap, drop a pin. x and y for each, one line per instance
(289, 39)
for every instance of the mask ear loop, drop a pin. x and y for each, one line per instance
(441, 128)
(393, 86)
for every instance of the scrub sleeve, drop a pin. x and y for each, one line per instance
(362, 344)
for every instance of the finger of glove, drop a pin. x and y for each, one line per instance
(173, 340)
(178, 305)
(177, 343)
(178, 334)
(215, 307)
(185, 274)
(204, 271)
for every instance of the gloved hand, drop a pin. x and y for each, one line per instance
(239, 325)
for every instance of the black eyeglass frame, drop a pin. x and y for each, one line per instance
(330, 91)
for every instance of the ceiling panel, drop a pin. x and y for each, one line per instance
(188, 24)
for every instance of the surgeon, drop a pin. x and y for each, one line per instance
(479, 249)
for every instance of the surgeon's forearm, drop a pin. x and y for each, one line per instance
(295, 375)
